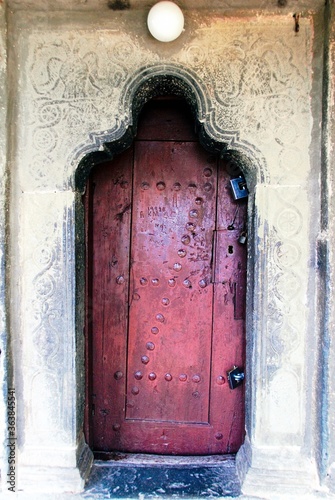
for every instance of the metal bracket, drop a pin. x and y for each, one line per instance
(239, 187)
(235, 377)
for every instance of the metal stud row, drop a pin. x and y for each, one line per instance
(171, 283)
(138, 375)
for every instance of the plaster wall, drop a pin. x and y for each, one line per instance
(71, 78)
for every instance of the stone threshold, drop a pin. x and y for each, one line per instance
(122, 475)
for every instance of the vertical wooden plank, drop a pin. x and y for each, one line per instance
(227, 415)
(88, 207)
(175, 121)
(171, 308)
(112, 183)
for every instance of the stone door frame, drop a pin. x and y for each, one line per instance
(268, 454)
(176, 81)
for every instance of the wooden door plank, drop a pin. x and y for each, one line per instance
(109, 295)
(166, 120)
(227, 411)
(171, 252)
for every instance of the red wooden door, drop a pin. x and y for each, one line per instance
(166, 294)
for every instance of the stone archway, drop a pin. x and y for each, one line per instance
(168, 80)
(241, 157)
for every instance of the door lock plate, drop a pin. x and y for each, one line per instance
(235, 377)
(239, 187)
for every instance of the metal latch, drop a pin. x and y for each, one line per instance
(235, 377)
(239, 187)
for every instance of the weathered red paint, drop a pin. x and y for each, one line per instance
(166, 296)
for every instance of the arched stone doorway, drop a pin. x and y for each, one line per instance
(60, 129)
(236, 154)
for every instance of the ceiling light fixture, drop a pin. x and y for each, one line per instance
(165, 21)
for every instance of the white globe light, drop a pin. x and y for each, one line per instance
(165, 21)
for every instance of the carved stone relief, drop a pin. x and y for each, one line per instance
(47, 316)
(256, 77)
(285, 314)
(257, 84)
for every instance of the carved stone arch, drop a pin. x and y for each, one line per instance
(159, 80)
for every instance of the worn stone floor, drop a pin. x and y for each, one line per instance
(141, 476)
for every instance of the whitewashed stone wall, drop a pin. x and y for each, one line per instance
(71, 80)
(5, 377)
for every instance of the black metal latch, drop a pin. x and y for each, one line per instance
(235, 377)
(239, 187)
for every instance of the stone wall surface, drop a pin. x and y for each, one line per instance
(72, 76)
(115, 5)
(5, 375)
(326, 445)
